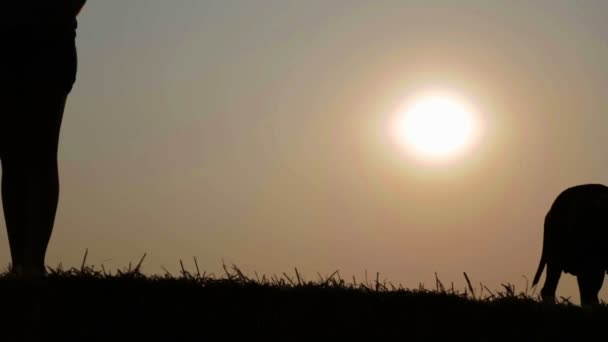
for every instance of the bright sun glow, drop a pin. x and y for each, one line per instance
(435, 126)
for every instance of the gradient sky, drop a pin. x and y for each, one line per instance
(255, 132)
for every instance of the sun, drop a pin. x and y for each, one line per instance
(435, 126)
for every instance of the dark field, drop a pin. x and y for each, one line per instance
(90, 305)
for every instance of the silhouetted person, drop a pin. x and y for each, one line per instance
(38, 69)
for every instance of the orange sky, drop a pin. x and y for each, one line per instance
(255, 132)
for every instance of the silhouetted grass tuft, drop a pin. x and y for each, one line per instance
(89, 303)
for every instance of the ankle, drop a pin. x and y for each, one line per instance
(16, 269)
(29, 271)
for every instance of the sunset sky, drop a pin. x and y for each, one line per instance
(261, 133)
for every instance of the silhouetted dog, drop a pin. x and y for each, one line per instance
(576, 241)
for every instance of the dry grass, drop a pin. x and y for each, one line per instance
(98, 304)
(235, 277)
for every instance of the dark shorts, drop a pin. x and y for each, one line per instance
(38, 58)
(37, 72)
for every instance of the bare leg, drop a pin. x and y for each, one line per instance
(30, 182)
(547, 293)
(38, 66)
(10, 199)
(589, 284)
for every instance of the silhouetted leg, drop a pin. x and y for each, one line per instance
(30, 179)
(10, 187)
(9, 204)
(547, 293)
(37, 71)
(589, 284)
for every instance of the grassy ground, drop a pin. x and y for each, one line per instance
(87, 304)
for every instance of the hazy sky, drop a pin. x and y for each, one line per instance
(256, 132)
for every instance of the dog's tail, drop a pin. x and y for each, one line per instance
(543, 256)
(539, 271)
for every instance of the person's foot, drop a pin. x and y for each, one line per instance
(15, 270)
(28, 272)
(33, 272)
